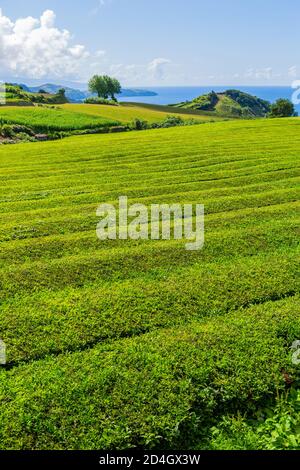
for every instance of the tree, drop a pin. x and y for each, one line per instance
(104, 86)
(114, 87)
(98, 84)
(282, 108)
(62, 92)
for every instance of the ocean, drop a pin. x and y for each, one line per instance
(171, 95)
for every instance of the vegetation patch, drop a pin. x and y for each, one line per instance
(231, 103)
(15, 96)
(139, 343)
(45, 119)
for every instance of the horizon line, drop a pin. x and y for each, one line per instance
(53, 80)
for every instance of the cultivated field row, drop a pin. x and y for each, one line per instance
(127, 343)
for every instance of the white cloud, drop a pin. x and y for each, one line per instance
(5, 24)
(37, 48)
(158, 67)
(31, 47)
(24, 26)
(128, 73)
(78, 51)
(143, 74)
(48, 19)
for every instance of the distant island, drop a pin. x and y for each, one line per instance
(78, 96)
(231, 103)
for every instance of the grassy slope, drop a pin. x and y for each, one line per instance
(224, 103)
(142, 343)
(16, 96)
(232, 103)
(224, 107)
(52, 119)
(126, 112)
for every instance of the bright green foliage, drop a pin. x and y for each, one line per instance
(162, 389)
(127, 112)
(104, 86)
(51, 119)
(271, 428)
(97, 100)
(204, 102)
(70, 118)
(251, 105)
(282, 108)
(16, 96)
(141, 343)
(231, 103)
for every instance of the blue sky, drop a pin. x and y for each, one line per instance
(157, 42)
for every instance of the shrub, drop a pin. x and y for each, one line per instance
(139, 125)
(96, 100)
(282, 108)
(170, 121)
(17, 128)
(7, 131)
(273, 427)
(24, 137)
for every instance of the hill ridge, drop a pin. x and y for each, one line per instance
(231, 103)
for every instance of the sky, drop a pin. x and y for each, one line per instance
(152, 42)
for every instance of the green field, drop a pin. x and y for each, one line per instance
(51, 119)
(80, 118)
(121, 344)
(126, 112)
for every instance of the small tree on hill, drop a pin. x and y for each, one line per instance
(282, 108)
(62, 92)
(104, 86)
(97, 84)
(114, 87)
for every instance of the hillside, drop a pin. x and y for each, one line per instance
(45, 119)
(231, 103)
(141, 344)
(126, 112)
(15, 95)
(24, 122)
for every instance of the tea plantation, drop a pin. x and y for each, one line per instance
(129, 343)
